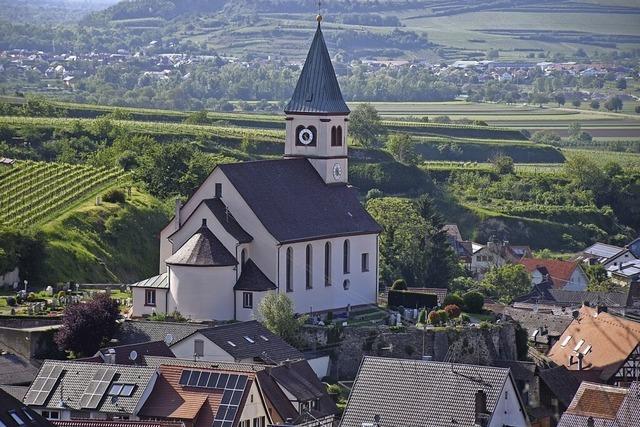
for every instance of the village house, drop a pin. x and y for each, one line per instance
(603, 405)
(565, 275)
(496, 254)
(404, 392)
(601, 346)
(598, 253)
(291, 226)
(13, 413)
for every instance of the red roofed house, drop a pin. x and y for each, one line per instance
(567, 275)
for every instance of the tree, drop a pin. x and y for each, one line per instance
(453, 311)
(502, 164)
(88, 326)
(614, 104)
(545, 137)
(576, 103)
(453, 298)
(365, 125)
(586, 174)
(473, 301)
(506, 282)
(462, 284)
(621, 83)
(637, 109)
(197, 118)
(560, 99)
(595, 104)
(599, 281)
(402, 148)
(277, 314)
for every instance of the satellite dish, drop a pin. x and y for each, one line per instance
(168, 339)
(133, 355)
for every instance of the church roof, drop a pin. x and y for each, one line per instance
(253, 279)
(293, 202)
(222, 214)
(317, 91)
(203, 249)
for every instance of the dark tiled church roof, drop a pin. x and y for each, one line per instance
(222, 214)
(317, 91)
(253, 279)
(293, 202)
(203, 249)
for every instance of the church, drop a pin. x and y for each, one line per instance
(292, 225)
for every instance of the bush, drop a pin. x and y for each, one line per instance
(422, 317)
(453, 298)
(11, 302)
(464, 318)
(637, 109)
(439, 317)
(595, 105)
(433, 317)
(114, 196)
(399, 285)
(473, 301)
(452, 311)
(374, 193)
(444, 316)
(31, 297)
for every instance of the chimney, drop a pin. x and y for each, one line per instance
(481, 408)
(591, 422)
(110, 357)
(178, 220)
(580, 357)
(602, 309)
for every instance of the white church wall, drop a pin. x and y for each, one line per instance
(202, 293)
(362, 284)
(141, 309)
(185, 349)
(245, 314)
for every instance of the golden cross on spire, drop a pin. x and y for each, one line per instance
(319, 17)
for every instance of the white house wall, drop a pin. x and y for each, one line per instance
(202, 293)
(508, 411)
(139, 307)
(578, 281)
(363, 286)
(184, 349)
(256, 408)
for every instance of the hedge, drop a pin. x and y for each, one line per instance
(409, 299)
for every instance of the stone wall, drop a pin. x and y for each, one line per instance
(31, 337)
(467, 345)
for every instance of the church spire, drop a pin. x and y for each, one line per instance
(317, 91)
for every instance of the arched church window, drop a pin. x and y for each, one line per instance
(309, 269)
(334, 139)
(289, 272)
(243, 258)
(339, 136)
(346, 257)
(327, 264)
(346, 284)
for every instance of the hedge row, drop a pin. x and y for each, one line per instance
(483, 152)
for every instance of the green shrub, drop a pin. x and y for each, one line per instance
(11, 302)
(473, 301)
(114, 196)
(399, 285)
(464, 318)
(334, 389)
(422, 317)
(453, 298)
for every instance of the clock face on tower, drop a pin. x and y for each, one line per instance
(306, 136)
(337, 171)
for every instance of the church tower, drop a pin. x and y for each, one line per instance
(317, 116)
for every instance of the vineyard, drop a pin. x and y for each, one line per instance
(32, 192)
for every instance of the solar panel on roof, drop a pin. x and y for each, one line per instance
(213, 379)
(97, 388)
(193, 379)
(43, 384)
(231, 398)
(204, 379)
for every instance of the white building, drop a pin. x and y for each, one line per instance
(292, 225)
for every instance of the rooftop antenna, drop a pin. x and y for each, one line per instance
(133, 355)
(168, 339)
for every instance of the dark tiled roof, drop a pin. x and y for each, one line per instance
(16, 391)
(29, 417)
(543, 293)
(76, 377)
(301, 381)
(531, 321)
(317, 90)
(115, 423)
(253, 279)
(292, 189)
(203, 249)
(561, 382)
(156, 361)
(419, 393)
(521, 371)
(272, 350)
(222, 214)
(140, 331)
(123, 352)
(17, 370)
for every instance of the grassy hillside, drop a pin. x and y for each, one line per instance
(110, 243)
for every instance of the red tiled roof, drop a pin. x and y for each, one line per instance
(560, 271)
(597, 400)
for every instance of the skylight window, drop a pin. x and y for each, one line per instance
(565, 341)
(264, 338)
(535, 333)
(586, 350)
(16, 418)
(26, 412)
(577, 347)
(231, 344)
(119, 389)
(249, 339)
